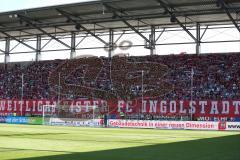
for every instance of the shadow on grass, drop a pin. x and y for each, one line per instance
(220, 148)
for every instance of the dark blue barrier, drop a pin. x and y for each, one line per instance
(2, 119)
(17, 120)
(237, 119)
(113, 116)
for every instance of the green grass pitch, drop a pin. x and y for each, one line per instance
(25, 142)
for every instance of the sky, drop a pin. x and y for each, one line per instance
(11, 5)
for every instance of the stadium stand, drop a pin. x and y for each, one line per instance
(169, 84)
(216, 77)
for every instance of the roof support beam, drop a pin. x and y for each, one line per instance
(111, 43)
(152, 38)
(205, 30)
(73, 45)
(29, 21)
(38, 45)
(114, 11)
(7, 49)
(198, 43)
(2, 51)
(46, 43)
(166, 8)
(160, 34)
(81, 41)
(69, 16)
(14, 38)
(223, 5)
(119, 37)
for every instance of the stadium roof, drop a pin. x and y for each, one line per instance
(118, 14)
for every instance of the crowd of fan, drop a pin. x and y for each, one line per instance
(214, 76)
(26, 81)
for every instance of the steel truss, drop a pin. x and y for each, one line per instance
(111, 45)
(223, 5)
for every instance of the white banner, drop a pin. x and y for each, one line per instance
(233, 126)
(191, 125)
(74, 122)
